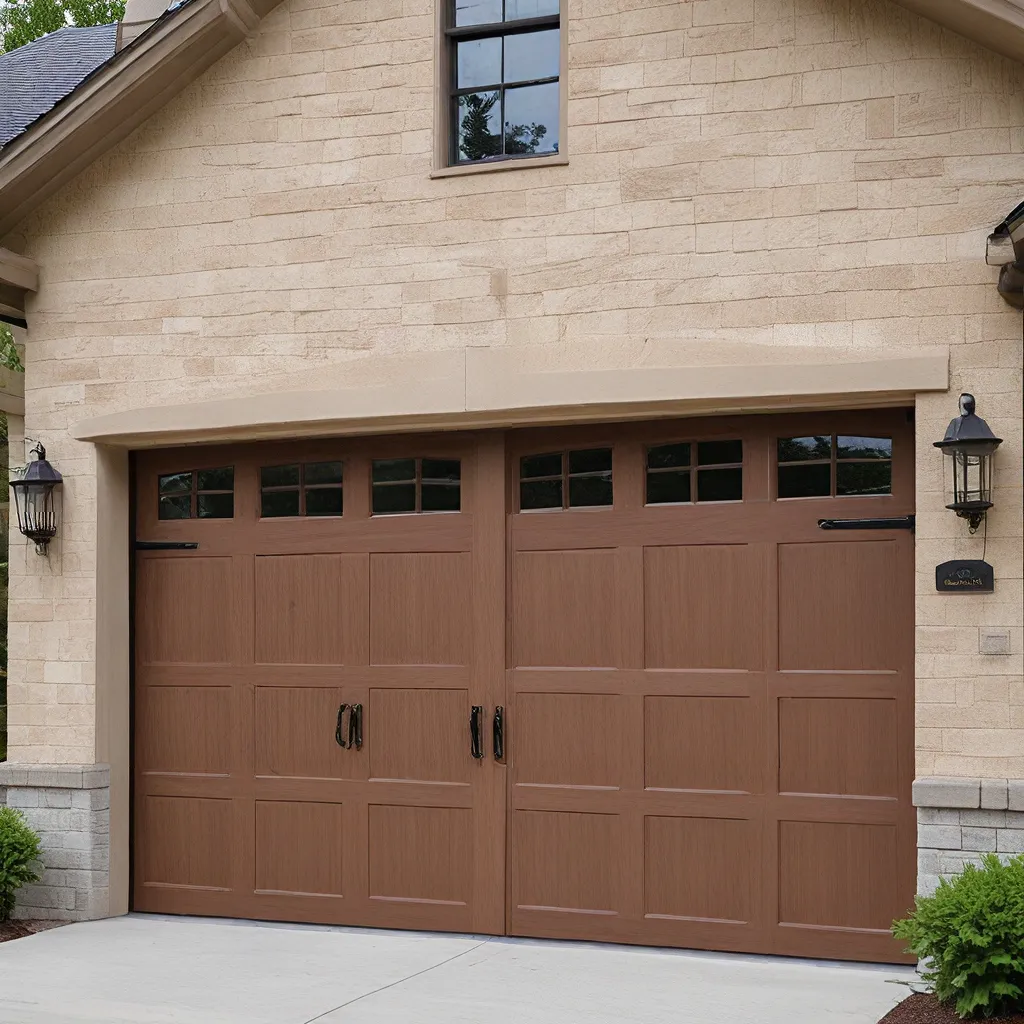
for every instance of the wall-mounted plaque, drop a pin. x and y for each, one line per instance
(964, 576)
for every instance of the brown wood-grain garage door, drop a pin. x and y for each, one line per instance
(247, 647)
(708, 699)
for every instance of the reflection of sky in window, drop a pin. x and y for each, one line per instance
(535, 104)
(864, 447)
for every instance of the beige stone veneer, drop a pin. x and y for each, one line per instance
(750, 183)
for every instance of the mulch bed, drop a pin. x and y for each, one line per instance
(925, 1009)
(19, 929)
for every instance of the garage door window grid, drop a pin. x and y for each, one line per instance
(416, 485)
(197, 494)
(674, 477)
(302, 489)
(835, 465)
(504, 58)
(559, 480)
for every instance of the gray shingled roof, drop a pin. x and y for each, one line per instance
(37, 76)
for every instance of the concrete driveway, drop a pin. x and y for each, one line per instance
(146, 969)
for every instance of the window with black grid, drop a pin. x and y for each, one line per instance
(504, 58)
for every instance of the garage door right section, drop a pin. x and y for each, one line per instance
(712, 697)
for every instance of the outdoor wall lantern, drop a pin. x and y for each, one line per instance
(34, 498)
(971, 444)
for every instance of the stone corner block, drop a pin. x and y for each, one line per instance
(1015, 794)
(947, 792)
(54, 776)
(994, 794)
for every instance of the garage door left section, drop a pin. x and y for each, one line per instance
(314, 622)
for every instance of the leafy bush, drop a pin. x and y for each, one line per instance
(972, 933)
(19, 857)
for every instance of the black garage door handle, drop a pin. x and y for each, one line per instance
(166, 545)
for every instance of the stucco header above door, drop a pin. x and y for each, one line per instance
(495, 387)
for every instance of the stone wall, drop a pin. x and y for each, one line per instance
(69, 807)
(960, 820)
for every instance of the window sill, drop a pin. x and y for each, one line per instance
(556, 160)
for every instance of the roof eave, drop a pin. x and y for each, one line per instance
(996, 24)
(118, 98)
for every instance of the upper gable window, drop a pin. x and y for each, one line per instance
(504, 58)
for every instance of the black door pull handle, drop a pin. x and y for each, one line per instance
(355, 727)
(499, 734)
(339, 732)
(476, 747)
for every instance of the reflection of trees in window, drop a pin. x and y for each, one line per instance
(476, 140)
(515, 144)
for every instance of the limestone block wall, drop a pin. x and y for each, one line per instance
(789, 174)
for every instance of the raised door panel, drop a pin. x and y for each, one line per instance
(184, 729)
(296, 733)
(421, 854)
(565, 608)
(184, 610)
(299, 848)
(702, 743)
(568, 861)
(838, 746)
(311, 609)
(570, 739)
(420, 609)
(419, 735)
(838, 875)
(840, 607)
(188, 842)
(701, 869)
(703, 607)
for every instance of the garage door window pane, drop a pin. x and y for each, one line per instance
(720, 484)
(274, 504)
(669, 488)
(535, 494)
(668, 456)
(176, 507)
(719, 453)
(440, 497)
(391, 499)
(322, 473)
(385, 470)
(279, 476)
(804, 449)
(863, 447)
(442, 470)
(863, 478)
(814, 481)
(324, 501)
(216, 479)
(175, 483)
(590, 490)
(215, 506)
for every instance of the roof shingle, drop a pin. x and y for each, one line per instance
(37, 76)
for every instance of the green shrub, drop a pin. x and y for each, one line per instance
(972, 933)
(19, 857)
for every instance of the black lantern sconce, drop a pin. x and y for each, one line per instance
(34, 498)
(971, 444)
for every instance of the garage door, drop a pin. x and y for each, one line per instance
(706, 700)
(304, 679)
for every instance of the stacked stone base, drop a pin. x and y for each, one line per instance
(69, 807)
(960, 820)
